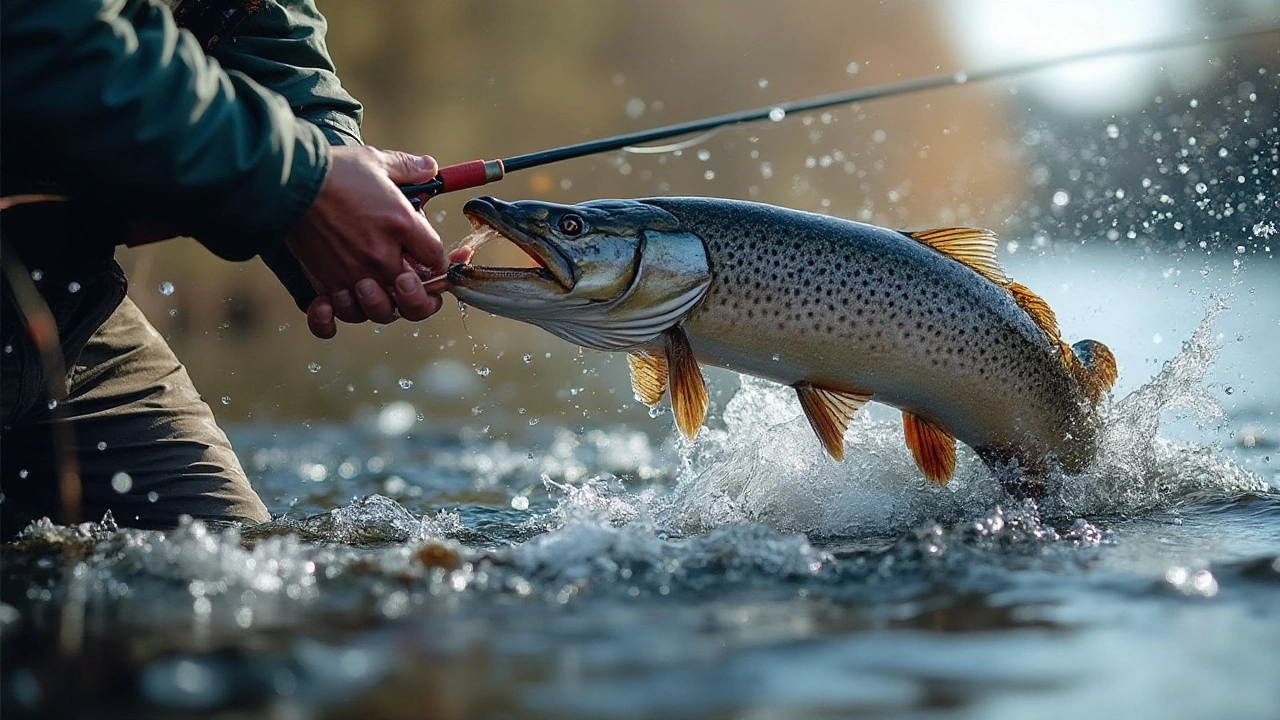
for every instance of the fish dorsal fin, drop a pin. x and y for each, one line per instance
(688, 391)
(1037, 308)
(829, 412)
(972, 247)
(648, 376)
(933, 448)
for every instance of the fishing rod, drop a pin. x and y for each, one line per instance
(482, 172)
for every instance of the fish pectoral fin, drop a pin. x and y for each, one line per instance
(973, 247)
(933, 448)
(829, 413)
(688, 391)
(648, 376)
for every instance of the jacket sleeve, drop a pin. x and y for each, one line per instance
(121, 105)
(281, 45)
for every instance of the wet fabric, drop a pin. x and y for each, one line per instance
(148, 446)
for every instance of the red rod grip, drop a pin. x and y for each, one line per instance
(462, 176)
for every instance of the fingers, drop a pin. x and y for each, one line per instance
(320, 318)
(345, 307)
(404, 168)
(412, 298)
(374, 301)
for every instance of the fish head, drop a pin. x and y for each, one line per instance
(609, 274)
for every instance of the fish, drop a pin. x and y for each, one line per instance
(844, 312)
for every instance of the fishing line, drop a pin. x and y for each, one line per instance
(481, 172)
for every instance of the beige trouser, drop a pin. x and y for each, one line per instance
(133, 410)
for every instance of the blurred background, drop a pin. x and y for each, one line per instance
(1175, 151)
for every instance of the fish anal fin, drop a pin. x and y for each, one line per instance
(688, 390)
(933, 448)
(1096, 368)
(973, 247)
(648, 376)
(829, 412)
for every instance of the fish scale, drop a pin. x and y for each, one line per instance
(843, 311)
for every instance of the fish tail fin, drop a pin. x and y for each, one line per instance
(1094, 368)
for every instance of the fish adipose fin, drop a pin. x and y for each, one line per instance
(829, 413)
(933, 448)
(648, 376)
(973, 247)
(688, 391)
(1095, 368)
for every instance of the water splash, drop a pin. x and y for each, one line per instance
(766, 466)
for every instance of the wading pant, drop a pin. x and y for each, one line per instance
(147, 445)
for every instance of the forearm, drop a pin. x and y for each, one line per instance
(117, 102)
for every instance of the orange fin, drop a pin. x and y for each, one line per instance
(1096, 368)
(972, 247)
(688, 391)
(1035, 306)
(648, 376)
(829, 412)
(933, 448)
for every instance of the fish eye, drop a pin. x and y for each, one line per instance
(571, 225)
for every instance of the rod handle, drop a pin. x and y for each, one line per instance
(456, 177)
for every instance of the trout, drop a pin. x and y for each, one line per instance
(843, 312)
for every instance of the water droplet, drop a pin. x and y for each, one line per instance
(777, 114)
(520, 502)
(313, 367)
(166, 288)
(226, 399)
(102, 445)
(655, 411)
(405, 383)
(23, 473)
(704, 154)
(8, 349)
(709, 175)
(1061, 198)
(762, 83)
(960, 78)
(53, 404)
(73, 287)
(1228, 390)
(483, 372)
(776, 357)
(153, 496)
(533, 421)
(635, 108)
(121, 482)
(527, 359)
(1113, 132)
(851, 68)
(173, 312)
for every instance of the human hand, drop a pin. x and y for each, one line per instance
(364, 246)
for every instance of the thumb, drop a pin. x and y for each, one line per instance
(403, 168)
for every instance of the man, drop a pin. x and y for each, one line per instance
(116, 122)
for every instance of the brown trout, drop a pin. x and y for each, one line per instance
(843, 312)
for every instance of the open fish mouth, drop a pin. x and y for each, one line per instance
(488, 221)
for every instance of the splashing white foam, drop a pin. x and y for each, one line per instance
(766, 466)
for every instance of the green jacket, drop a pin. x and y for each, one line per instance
(219, 131)
(223, 137)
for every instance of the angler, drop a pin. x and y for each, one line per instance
(843, 312)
